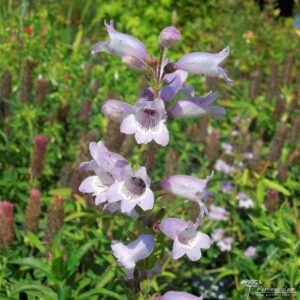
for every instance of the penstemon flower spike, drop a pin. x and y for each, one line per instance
(123, 189)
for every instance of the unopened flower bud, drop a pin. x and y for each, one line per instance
(33, 211)
(169, 68)
(169, 36)
(133, 63)
(6, 223)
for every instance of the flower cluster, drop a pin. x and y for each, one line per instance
(120, 188)
(147, 118)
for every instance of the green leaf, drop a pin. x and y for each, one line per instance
(276, 186)
(100, 291)
(34, 242)
(77, 254)
(47, 292)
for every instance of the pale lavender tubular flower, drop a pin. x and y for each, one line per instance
(188, 187)
(217, 213)
(227, 148)
(133, 189)
(129, 255)
(107, 167)
(175, 84)
(223, 242)
(250, 252)
(244, 200)
(117, 110)
(226, 187)
(148, 94)
(147, 122)
(116, 206)
(197, 107)
(187, 240)
(222, 166)
(169, 36)
(206, 64)
(173, 295)
(122, 45)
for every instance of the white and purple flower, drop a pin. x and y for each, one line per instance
(117, 110)
(244, 201)
(129, 255)
(147, 122)
(217, 213)
(131, 190)
(192, 107)
(223, 167)
(223, 241)
(187, 240)
(206, 64)
(250, 252)
(107, 167)
(122, 45)
(174, 295)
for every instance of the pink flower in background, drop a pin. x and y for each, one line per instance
(187, 240)
(128, 255)
(169, 36)
(222, 166)
(121, 44)
(250, 252)
(132, 189)
(226, 187)
(192, 107)
(107, 167)
(244, 201)
(217, 213)
(223, 241)
(6, 223)
(173, 295)
(147, 122)
(206, 64)
(39, 155)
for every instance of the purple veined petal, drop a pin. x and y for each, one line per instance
(171, 227)
(113, 194)
(88, 165)
(207, 64)
(133, 63)
(169, 36)
(174, 84)
(174, 295)
(188, 90)
(121, 44)
(186, 186)
(117, 110)
(194, 254)
(162, 136)
(129, 255)
(87, 185)
(204, 240)
(142, 137)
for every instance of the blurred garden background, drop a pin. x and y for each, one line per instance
(51, 92)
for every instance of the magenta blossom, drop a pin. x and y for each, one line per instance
(147, 122)
(169, 36)
(192, 107)
(206, 64)
(117, 110)
(107, 167)
(173, 295)
(217, 213)
(223, 241)
(129, 255)
(187, 240)
(132, 189)
(122, 45)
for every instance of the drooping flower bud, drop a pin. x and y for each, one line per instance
(33, 211)
(55, 219)
(6, 223)
(39, 155)
(169, 36)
